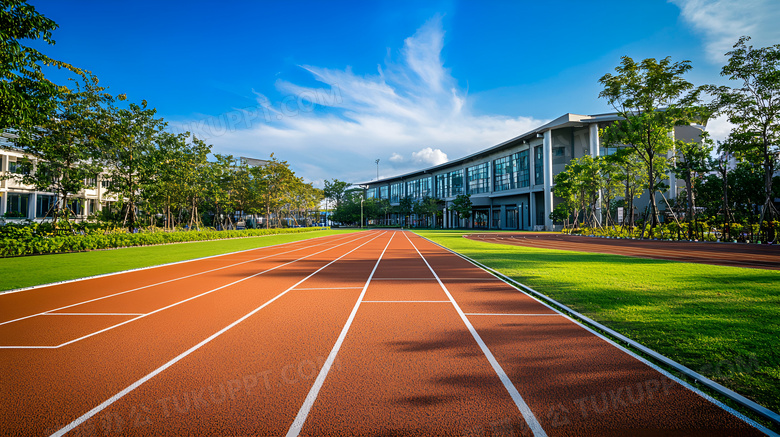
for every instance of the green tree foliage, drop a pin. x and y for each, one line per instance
(27, 97)
(334, 191)
(63, 151)
(650, 97)
(692, 161)
(462, 206)
(129, 153)
(754, 108)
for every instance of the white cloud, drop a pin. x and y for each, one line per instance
(429, 156)
(391, 115)
(722, 22)
(396, 158)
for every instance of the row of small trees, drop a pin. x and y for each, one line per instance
(80, 135)
(350, 206)
(652, 97)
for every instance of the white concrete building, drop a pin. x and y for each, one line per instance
(511, 184)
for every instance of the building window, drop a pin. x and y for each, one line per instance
(91, 207)
(455, 182)
(105, 183)
(538, 165)
(44, 205)
(91, 182)
(19, 167)
(383, 192)
(75, 207)
(425, 187)
(503, 173)
(395, 193)
(17, 205)
(442, 185)
(523, 174)
(479, 178)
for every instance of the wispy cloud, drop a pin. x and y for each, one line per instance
(410, 115)
(722, 22)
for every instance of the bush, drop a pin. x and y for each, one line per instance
(40, 238)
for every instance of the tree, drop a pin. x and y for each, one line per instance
(646, 95)
(405, 208)
(754, 109)
(462, 206)
(64, 146)
(27, 98)
(275, 180)
(129, 153)
(334, 190)
(692, 157)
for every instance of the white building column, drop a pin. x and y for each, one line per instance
(33, 199)
(547, 176)
(3, 202)
(532, 211)
(531, 168)
(595, 145)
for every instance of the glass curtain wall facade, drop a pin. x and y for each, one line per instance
(479, 178)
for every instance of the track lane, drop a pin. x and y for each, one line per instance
(51, 387)
(741, 255)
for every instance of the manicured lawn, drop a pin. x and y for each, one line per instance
(43, 269)
(723, 322)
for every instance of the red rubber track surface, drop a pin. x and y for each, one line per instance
(764, 256)
(410, 330)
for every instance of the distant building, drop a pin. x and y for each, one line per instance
(511, 184)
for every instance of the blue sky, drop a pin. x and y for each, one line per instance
(332, 86)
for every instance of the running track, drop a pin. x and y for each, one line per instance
(723, 254)
(372, 333)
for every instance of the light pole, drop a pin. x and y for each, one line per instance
(377, 169)
(361, 213)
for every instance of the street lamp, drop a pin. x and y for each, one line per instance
(377, 169)
(361, 213)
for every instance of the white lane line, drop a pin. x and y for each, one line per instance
(528, 415)
(510, 314)
(167, 281)
(404, 279)
(406, 301)
(303, 413)
(157, 371)
(332, 288)
(93, 314)
(181, 301)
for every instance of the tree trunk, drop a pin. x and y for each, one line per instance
(691, 206)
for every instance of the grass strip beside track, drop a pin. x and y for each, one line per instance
(30, 271)
(722, 322)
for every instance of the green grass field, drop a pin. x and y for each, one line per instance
(43, 269)
(723, 322)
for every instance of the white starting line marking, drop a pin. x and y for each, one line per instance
(332, 288)
(528, 415)
(406, 301)
(157, 371)
(303, 413)
(93, 314)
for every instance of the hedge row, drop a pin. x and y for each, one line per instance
(29, 240)
(671, 231)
